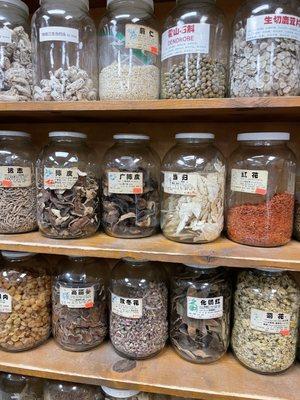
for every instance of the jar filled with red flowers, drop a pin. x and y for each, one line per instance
(261, 190)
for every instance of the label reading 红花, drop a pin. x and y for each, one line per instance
(249, 181)
(141, 37)
(125, 307)
(77, 297)
(273, 26)
(15, 176)
(5, 35)
(204, 308)
(125, 182)
(180, 183)
(185, 39)
(60, 178)
(270, 322)
(59, 34)
(5, 302)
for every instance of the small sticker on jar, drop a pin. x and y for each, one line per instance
(204, 308)
(126, 307)
(180, 183)
(77, 297)
(59, 33)
(249, 181)
(15, 176)
(125, 182)
(5, 303)
(270, 322)
(5, 35)
(60, 178)
(141, 37)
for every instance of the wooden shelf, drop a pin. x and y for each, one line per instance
(158, 248)
(165, 374)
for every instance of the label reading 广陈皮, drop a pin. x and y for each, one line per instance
(249, 181)
(125, 182)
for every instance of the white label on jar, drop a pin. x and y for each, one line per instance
(59, 33)
(125, 182)
(77, 297)
(5, 35)
(270, 322)
(60, 178)
(205, 308)
(15, 176)
(125, 307)
(5, 303)
(141, 37)
(181, 183)
(273, 26)
(185, 39)
(249, 181)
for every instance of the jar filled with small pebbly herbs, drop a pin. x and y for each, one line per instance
(79, 312)
(71, 391)
(265, 49)
(138, 308)
(193, 185)
(68, 187)
(194, 51)
(17, 183)
(297, 206)
(261, 190)
(129, 51)
(130, 188)
(265, 329)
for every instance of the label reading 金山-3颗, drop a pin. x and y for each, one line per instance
(249, 181)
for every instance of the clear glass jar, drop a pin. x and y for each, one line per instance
(79, 313)
(71, 391)
(297, 207)
(265, 329)
(193, 184)
(129, 51)
(117, 394)
(64, 42)
(15, 52)
(25, 306)
(138, 308)
(17, 183)
(18, 387)
(200, 313)
(265, 49)
(130, 188)
(194, 51)
(68, 187)
(261, 187)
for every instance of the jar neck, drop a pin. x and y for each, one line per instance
(70, 140)
(196, 142)
(135, 4)
(263, 143)
(130, 142)
(65, 4)
(13, 139)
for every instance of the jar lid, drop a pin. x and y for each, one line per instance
(194, 136)
(266, 269)
(200, 266)
(149, 2)
(263, 136)
(16, 254)
(130, 136)
(15, 133)
(17, 3)
(119, 393)
(61, 134)
(86, 2)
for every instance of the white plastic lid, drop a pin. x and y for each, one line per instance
(263, 136)
(16, 254)
(15, 133)
(149, 2)
(86, 2)
(130, 136)
(266, 269)
(17, 3)
(120, 394)
(61, 134)
(194, 136)
(201, 266)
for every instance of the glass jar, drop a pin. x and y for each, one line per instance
(68, 187)
(130, 188)
(17, 387)
(265, 49)
(297, 207)
(193, 184)
(79, 314)
(25, 301)
(116, 394)
(71, 391)
(261, 187)
(194, 51)
(64, 41)
(15, 52)
(138, 308)
(129, 51)
(265, 328)
(17, 183)
(200, 313)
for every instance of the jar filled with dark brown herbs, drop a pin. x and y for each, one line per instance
(68, 187)
(138, 308)
(71, 391)
(130, 192)
(200, 313)
(79, 313)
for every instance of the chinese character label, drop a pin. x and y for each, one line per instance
(77, 297)
(270, 322)
(125, 307)
(249, 181)
(5, 35)
(180, 183)
(141, 37)
(15, 176)
(60, 178)
(204, 308)
(5, 302)
(185, 39)
(59, 33)
(273, 26)
(125, 182)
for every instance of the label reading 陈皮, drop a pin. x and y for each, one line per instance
(249, 181)
(5, 302)
(270, 322)
(77, 297)
(125, 182)
(15, 176)
(59, 34)
(204, 308)
(141, 37)
(60, 178)
(125, 307)
(180, 183)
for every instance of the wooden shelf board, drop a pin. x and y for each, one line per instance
(158, 248)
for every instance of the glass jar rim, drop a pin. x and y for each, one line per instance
(119, 393)
(130, 136)
(201, 266)
(16, 254)
(195, 135)
(85, 2)
(271, 270)
(148, 2)
(261, 136)
(67, 134)
(15, 133)
(17, 3)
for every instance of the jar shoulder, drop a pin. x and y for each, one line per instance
(262, 156)
(253, 8)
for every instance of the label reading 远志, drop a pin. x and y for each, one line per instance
(5, 35)
(204, 308)
(59, 33)
(5, 302)
(270, 322)
(249, 181)
(15, 176)
(180, 183)
(125, 182)
(141, 37)
(77, 297)
(125, 307)
(60, 178)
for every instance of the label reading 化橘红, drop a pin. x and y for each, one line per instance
(60, 178)
(59, 33)
(5, 302)
(125, 307)
(270, 322)
(180, 183)
(249, 181)
(273, 26)
(141, 37)
(125, 182)
(185, 39)
(204, 308)
(15, 176)
(77, 297)
(5, 35)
